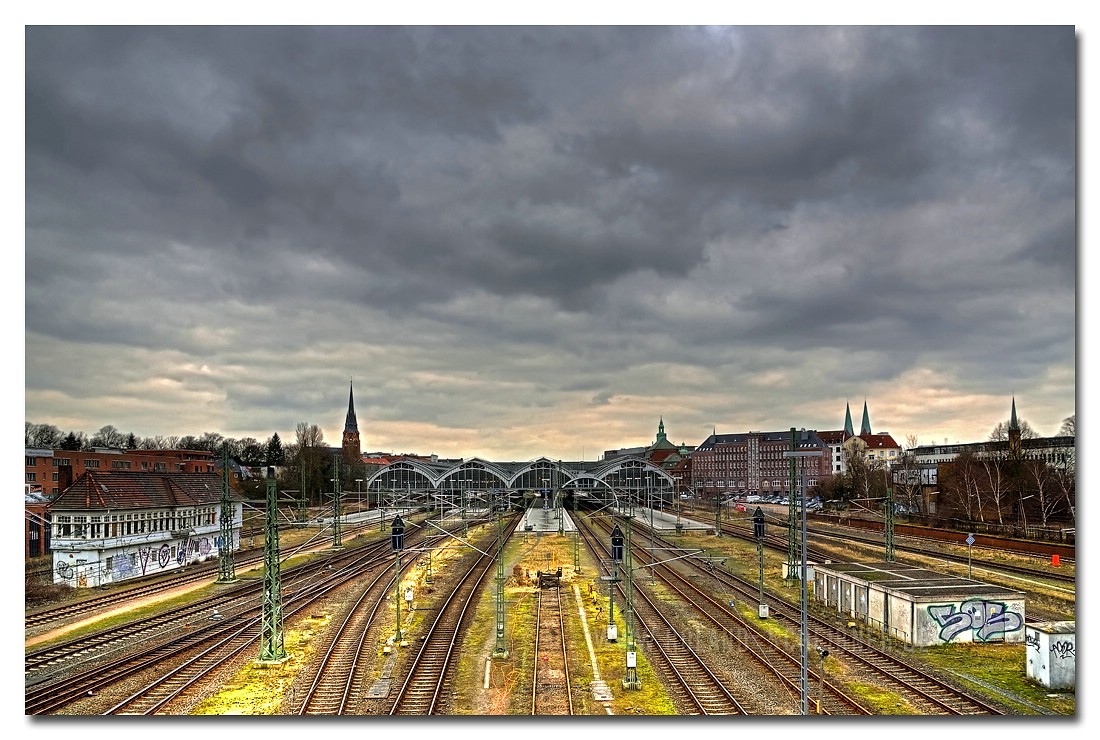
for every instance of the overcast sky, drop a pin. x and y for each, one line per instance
(540, 241)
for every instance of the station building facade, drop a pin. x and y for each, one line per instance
(111, 526)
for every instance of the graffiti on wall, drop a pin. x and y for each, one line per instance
(1063, 650)
(985, 619)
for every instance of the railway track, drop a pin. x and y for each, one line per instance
(422, 692)
(331, 688)
(114, 661)
(551, 686)
(923, 691)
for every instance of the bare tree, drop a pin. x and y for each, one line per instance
(1000, 432)
(908, 476)
(993, 465)
(1042, 476)
(962, 485)
(1069, 426)
(108, 436)
(45, 436)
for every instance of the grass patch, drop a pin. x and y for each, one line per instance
(999, 671)
(259, 689)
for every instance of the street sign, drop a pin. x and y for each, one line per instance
(970, 539)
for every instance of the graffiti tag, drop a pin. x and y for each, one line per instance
(163, 556)
(987, 619)
(1032, 640)
(1063, 650)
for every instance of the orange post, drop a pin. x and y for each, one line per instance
(1054, 560)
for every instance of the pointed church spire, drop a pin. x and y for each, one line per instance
(1013, 422)
(865, 425)
(350, 425)
(661, 430)
(350, 440)
(848, 431)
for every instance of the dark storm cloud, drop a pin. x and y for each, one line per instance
(585, 206)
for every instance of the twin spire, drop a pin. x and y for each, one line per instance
(864, 427)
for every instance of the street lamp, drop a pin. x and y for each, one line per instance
(802, 499)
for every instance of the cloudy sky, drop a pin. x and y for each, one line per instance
(540, 241)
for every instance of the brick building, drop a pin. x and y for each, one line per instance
(56, 470)
(752, 463)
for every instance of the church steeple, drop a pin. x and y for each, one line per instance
(1015, 443)
(661, 431)
(848, 431)
(865, 425)
(350, 442)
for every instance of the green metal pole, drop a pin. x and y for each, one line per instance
(888, 525)
(500, 650)
(576, 551)
(792, 515)
(302, 494)
(272, 649)
(336, 540)
(226, 569)
(397, 593)
(760, 558)
(630, 680)
(718, 514)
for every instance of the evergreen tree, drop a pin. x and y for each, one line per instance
(275, 454)
(72, 442)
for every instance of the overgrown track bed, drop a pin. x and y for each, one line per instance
(429, 671)
(330, 691)
(924, 692)
(551, 687)
(696, 685)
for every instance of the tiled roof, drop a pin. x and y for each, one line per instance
(139, 490)
(879, 441)
(833, 437)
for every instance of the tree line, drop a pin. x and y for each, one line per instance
(999, 486)
(304, 464)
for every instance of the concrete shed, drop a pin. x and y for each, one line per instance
(1052, 654)
(919, 606)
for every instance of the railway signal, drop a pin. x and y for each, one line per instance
(758, 530)
(397, 544)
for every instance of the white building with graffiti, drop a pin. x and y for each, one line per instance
(919, 606)
(112, 526)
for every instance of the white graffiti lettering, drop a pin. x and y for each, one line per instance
(987, 619)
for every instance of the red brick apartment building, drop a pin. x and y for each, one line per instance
(49, 472)
(52, 471)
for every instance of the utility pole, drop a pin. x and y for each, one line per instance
(630, 680)
(617, 544)
(500, 650)
(804, 605)
(397, 544)
(272, 649)
(302, 493)
(888, 524)
(336, 540)
(792, 519)
(226, 569)
(758, 531)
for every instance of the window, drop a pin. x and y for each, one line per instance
(91, 463)
(31, 477)
(30, 462)
(56, 477)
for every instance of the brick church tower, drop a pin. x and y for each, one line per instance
(350, 442)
